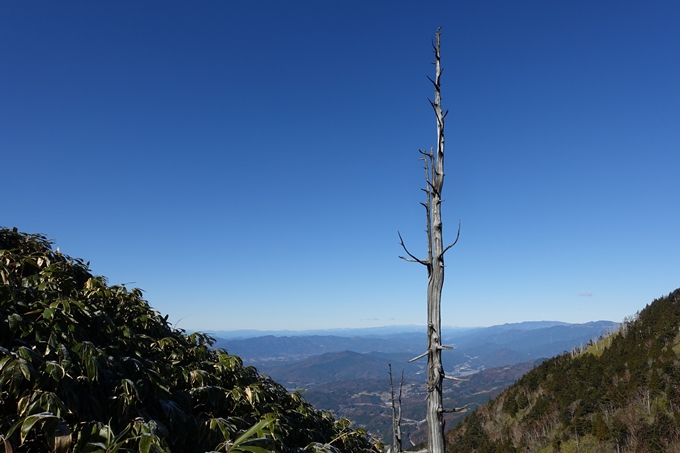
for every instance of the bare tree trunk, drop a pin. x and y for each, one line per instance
(434, 175)
(396, 415)
(435, 372)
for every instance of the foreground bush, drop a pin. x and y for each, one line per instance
(88, 367)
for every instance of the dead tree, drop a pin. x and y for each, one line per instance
(434, 182)
(396, 414)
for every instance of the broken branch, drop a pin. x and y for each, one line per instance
(453, 378)
(454, 242)
(419, 357)
(456, 409)
(414, 258)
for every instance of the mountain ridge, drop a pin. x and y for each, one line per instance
(617, 394)
(474, 349)
(376, 330)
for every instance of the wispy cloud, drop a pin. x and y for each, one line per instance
(585, 294)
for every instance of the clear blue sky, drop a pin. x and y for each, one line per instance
(249, 163)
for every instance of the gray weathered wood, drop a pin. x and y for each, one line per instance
(434, 179)
(396, 414)
(435, 372)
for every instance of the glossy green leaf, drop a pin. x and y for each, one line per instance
(23, 366)
(252, 431)
(27, 424)
(145, 443)
(14, 320)
(49, 313)
(249, 448)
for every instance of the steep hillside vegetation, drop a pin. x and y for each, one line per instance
(625, 398)
(88, 367)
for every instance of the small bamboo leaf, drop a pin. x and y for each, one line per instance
(48, 313)
(22, 405)
(23, 366)
(55, 371)
(252, 431)
(91, 367)
(251, 449)
(14, 320)
(28, 423)
(145, 443)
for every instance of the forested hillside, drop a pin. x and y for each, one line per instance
(621, 395)
(89, 367)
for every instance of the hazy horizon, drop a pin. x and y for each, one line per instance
(371, 330)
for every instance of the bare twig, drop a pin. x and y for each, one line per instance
(419, 357)
(414, 258)
(453, 378)
(454, 242)
(456, 409)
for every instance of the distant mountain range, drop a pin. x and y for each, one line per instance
(329, 367)
(373, 331)
(475, 349)
(347, 332)
(347, 372)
